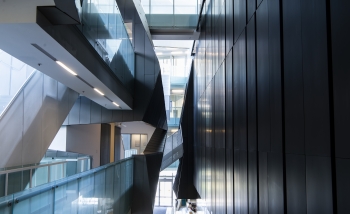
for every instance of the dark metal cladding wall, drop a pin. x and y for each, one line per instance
(184, 186)
(271, 106)
(146, 175)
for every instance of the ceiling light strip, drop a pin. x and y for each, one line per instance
(98, 91)
(72, 72)
(66, 68)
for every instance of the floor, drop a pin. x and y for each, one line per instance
(170, 210)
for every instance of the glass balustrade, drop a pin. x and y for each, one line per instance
(104, 28)
(106, 189)
(173, 149)
(51, 168)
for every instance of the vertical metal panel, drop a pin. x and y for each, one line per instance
(219, 116)
(251, 7)
(228, 102)
(73, 117)
(263, 183)
(239, 18)
(263, 80)
(318, 185)
(229, 25)
(341, 77)
(95, 113)
(85, 108)
(275, 183)
(240, 93)
(274, 51)
(315, 74)
(343, 185)
(253, 182)
(251, 86)
(229, 181)
(106, 115)
(293, 78)
(295, 183)
(258, 2)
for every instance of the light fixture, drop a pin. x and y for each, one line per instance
(176, 52)
(98, 91)
(66, 68)
(159, 53)
(178, 91)
(115, 104)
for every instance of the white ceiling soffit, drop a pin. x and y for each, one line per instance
(17, 39)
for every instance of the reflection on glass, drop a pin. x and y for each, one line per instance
(106, 190)
(2, 185)
(40, 176)
(103, 26)
(14, 182)
(13, 74)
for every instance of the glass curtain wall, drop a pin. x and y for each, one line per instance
(13, 75)
(104, 28)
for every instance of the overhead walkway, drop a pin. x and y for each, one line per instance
(172, 20)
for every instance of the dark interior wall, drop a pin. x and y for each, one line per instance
(271, 102)
(105, 144)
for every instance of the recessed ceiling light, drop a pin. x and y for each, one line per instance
(66, 68)
(98, 91)
(115, 104)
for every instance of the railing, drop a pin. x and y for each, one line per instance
(20, 178)
(103, 26)
(106, 189)
(171, 13)
(173, 149)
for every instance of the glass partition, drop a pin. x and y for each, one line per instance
(106, 189)
(17, 179)
(104, 28)
(173, 149)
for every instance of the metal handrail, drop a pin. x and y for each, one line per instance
(17, 94)
(52, 185)
(38, 166)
